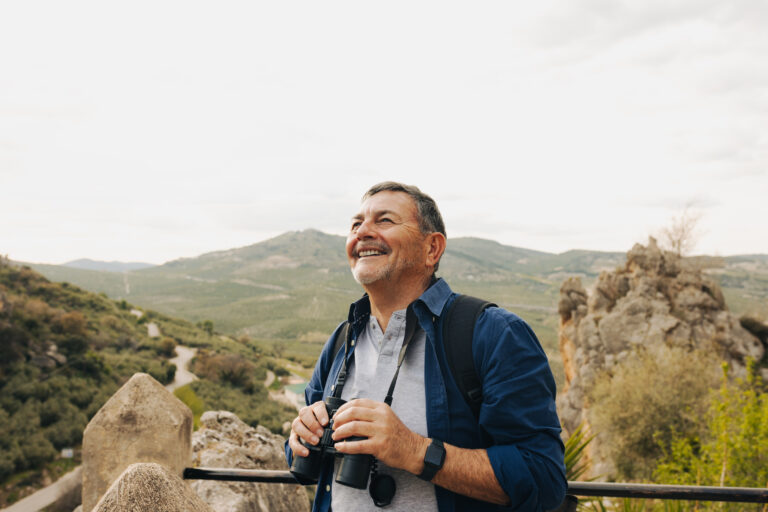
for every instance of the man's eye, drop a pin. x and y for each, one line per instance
(385, 219)
(355, 225)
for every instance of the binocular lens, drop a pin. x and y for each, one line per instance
(354, 470)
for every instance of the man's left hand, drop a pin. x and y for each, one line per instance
(388, 439)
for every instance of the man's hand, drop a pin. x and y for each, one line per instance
(465, 471)
(308, 426)
(388, 439)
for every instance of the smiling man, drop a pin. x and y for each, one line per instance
(404, 408)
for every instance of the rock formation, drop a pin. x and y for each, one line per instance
(657, 298)
(149, 486)
(142, 422)
(225, 441)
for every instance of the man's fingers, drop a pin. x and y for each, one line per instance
(362, 446)
(321, 413)
(301, 430)
(358, 402)
(356, 413)
(355, 428)
(314, 417)
(296, 446)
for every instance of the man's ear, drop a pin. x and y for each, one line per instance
(435, 247)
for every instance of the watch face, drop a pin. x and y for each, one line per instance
(435, 455)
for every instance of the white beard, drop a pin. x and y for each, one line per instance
(366, 276)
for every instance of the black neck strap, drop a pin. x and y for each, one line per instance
(411, 327)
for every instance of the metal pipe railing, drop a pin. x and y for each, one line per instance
(593, 489)
(669, 492)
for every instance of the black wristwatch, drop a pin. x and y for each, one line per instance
(433, 460)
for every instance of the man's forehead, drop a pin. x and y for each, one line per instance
(398, 203)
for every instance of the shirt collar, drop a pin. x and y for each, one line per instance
(434, 298)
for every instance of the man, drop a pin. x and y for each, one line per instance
(510, 457)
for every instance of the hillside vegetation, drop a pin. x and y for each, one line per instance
(64, 351)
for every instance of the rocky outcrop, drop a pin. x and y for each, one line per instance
(225, 441)
(150, 486)
(656, 298)
(142, 422)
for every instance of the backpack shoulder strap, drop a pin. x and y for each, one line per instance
(341, 338)
(458, 331)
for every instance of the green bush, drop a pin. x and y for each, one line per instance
(187, 395)
(254, 409)
(168, 347)
(648, 399)
(36, 450)
(733, 451)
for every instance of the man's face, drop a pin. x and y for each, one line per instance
(385, 242)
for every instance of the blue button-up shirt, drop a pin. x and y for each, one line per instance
(518, 425)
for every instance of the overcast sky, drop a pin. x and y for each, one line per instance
(148, 131)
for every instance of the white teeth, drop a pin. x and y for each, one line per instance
(368, 253)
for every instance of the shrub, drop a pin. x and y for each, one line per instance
(232, 368)
(733, 451)
(168, 347)
(648, 399)
(35, 450)
(253, 409)
(73, 323)
(187, 395)
(73, 345)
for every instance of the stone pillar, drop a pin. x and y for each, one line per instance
(142, 422)
(148, 486)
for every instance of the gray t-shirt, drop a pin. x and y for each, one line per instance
(371, 373)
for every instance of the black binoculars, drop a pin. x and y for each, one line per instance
(353, 469)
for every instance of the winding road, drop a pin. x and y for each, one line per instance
(183, 376)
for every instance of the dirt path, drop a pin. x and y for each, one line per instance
(270, 378)
(183, 376)
(153, 330)
(48, 495)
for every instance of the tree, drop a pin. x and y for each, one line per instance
(207, 326)
(683, 233)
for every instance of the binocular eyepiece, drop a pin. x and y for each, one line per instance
(353, 469)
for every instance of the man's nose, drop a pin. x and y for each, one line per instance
(366, 229)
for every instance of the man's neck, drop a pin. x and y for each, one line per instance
(386, 298)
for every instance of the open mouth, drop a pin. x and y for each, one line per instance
(368, 252)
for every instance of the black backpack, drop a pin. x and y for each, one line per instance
(458, 332)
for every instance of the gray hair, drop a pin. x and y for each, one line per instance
(429, 217)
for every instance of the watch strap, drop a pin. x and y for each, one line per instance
(434, 459)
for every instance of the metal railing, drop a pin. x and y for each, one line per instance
(590, 489)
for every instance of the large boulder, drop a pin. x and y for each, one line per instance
(658, 298)
(142, 422)
(149, 486)
(224, 441)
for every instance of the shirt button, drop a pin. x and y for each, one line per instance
(327, 488)
(353, 343)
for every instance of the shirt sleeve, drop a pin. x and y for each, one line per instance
(518, 411)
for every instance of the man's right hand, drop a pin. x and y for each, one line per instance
(308, 426)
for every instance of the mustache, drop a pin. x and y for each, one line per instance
(367, 246)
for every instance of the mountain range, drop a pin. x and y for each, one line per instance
(297, 286)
